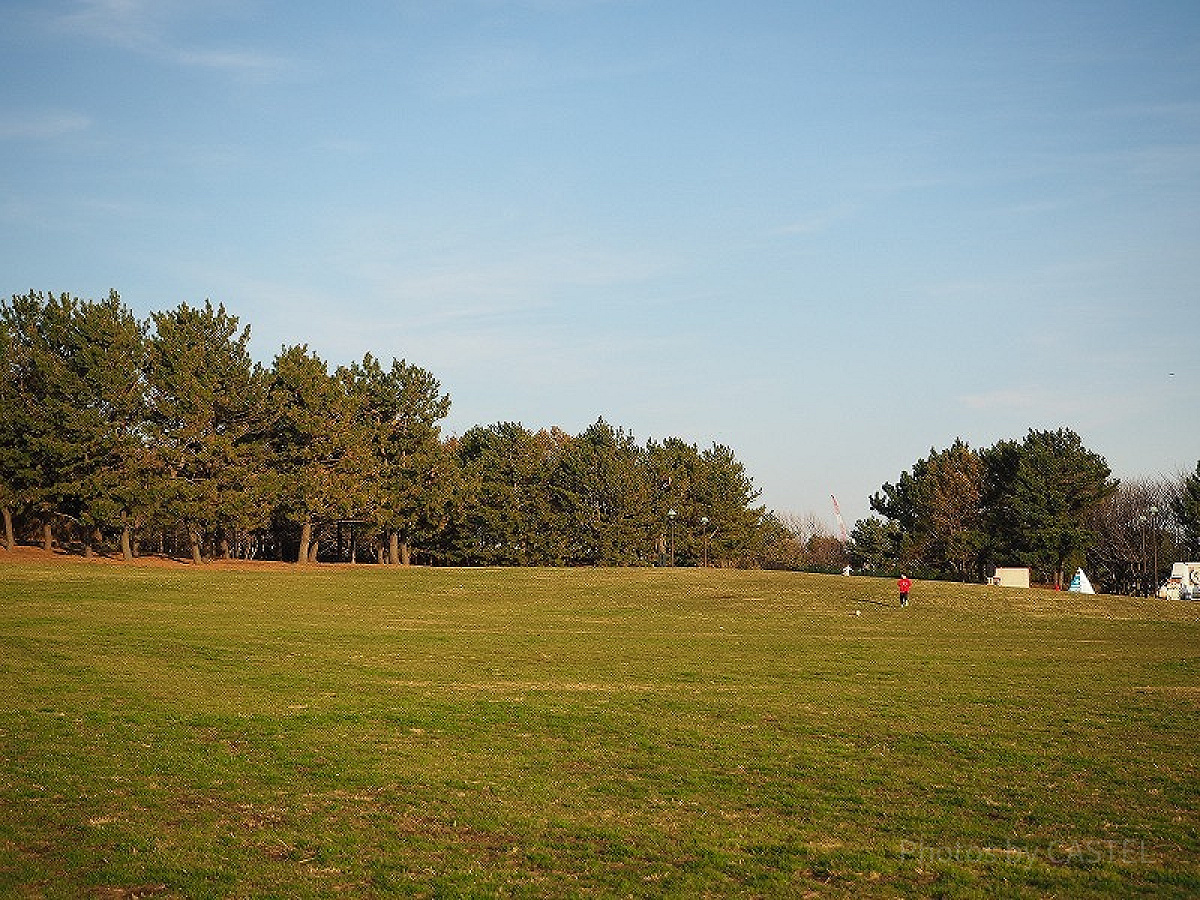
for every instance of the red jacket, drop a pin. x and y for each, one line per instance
(904, 584)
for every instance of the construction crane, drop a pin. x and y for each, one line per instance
(841, 522)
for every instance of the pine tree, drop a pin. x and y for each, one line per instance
(208, 416)
(70, 430)
(1041, 497)
(18, 476)
(509, 519)
(400, 409)
(1186, 507)
(601, 495)
(726, 495)
(321, 446)
(934, 511)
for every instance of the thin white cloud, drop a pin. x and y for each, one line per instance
(136, 24)
(480, 72)
(819, 221)
(42, 126)
(1007, 399)
(530, 276)
(146, 26)
(441, 273)
(1179, 163)
(474, 69)
(1073, 403)
(244, 62)
(557, 6)
(1187, 111)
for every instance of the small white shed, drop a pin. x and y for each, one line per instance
(1011, 576)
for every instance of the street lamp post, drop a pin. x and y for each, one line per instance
(671, 514)
(1154, 521)
(704, 525)
(1142, 520)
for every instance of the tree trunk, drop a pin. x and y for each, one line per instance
(224, 548)
(312, 551)
(47, 537)
(90, 541)
(9, 541)
(126, 544)
(405, 554)
(194, 538)
(393, 548)
(305, 540)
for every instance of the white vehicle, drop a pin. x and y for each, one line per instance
(1184, 583)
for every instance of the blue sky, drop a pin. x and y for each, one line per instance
(831, 235)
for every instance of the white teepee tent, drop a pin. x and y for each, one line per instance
(1080, 583)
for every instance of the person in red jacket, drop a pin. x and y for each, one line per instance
(905, 585)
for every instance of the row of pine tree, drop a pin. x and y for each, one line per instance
(124, 434)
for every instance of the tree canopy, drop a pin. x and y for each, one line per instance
(960, 511)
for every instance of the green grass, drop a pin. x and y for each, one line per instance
(180, 732)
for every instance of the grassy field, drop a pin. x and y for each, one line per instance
(282, 732)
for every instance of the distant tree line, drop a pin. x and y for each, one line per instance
(1046, 502)
(164, 435)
